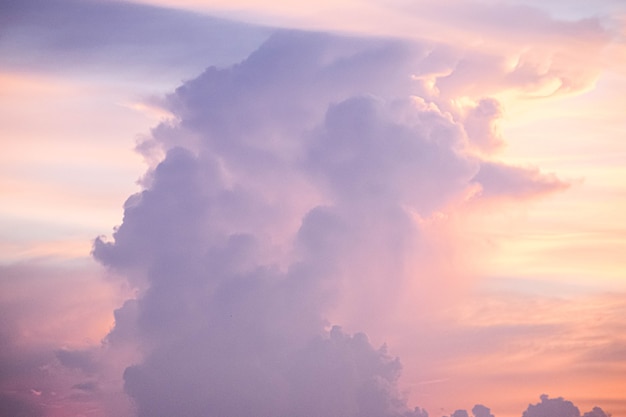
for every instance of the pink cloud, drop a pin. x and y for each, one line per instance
(221, 308)
(321, 180)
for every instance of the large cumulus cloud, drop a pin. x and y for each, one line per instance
(290, 186)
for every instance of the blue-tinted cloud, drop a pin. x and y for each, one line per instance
(281, 176)
(97, 36)
(552, 407)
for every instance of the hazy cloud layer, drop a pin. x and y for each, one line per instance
(80, 36)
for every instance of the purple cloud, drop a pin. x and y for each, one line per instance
(558, 407)
(500, 180)
(552, 407)
(280, 175)
(480, 410)
(76, 359)
(96, 35)
(596, 412)
(479, 123)
(288, 193)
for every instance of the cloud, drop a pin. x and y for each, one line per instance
(11, 406)
(596, 412)
(557, 407)
(88, 386)
(500, 180)
(77, 359)
(479, 123)
(131, 38)
(521, 22)
(291, 195)
(480, 410)
(52, 317)
(297, 189)
(21, 371)
(548, 407)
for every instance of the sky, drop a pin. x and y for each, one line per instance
(348, 208)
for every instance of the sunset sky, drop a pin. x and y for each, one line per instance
(334, 208)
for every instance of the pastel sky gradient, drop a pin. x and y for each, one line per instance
(330, 208)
